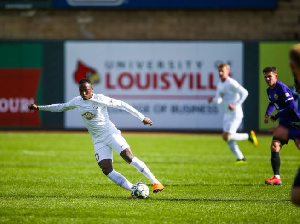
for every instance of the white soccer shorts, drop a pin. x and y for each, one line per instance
(104, 149)
(231, 123)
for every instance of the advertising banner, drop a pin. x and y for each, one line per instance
(169, 82)
(20, 75)
(165, 4)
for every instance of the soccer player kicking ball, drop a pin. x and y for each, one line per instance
(232, 95)
(93, 110)
(280, 98)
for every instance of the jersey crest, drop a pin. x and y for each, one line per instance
(88, 115)
(276, 96)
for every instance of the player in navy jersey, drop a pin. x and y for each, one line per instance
(280, 98)
(286, 133)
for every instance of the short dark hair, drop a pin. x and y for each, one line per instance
(84, 81)
(270, 69)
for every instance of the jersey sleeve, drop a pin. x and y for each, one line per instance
(60, 107)
(239, 89)
(287, 94)
(270, 108)
(217, 98)
(289, 107)
(121, 105)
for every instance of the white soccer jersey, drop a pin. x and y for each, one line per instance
(94, 113)
(231, 92)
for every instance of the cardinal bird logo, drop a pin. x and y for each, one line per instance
(83, 71)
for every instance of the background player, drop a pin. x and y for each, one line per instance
(232, 95)
(93, 110)
(285, 133)
(280, 98)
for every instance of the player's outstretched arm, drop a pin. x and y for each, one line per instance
(147, 121)
(33, 106)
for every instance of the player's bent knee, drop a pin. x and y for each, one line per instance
(106, 166)
(275, 146)
(127, 155)
(106, 170)
(274, 149)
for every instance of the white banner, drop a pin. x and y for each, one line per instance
(169, 82)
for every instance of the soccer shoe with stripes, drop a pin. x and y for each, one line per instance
(253, 138)
(158, 187)
(273, 181)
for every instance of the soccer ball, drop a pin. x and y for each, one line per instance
(140, 190)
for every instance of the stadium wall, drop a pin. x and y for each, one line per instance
(281, 23)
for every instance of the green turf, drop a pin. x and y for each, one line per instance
(54, 178)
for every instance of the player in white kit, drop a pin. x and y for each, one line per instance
(106, 137)
(232, 95)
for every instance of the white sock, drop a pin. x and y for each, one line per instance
(119, 179)
(141, 166)
(277, 176)
(238, 137)
(235, 149)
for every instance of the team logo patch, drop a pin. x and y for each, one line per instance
(85, 71)
(88, 115)
(276, 96)
(287, 94)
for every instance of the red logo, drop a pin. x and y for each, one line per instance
(83, 71)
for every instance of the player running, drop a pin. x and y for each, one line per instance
(93, 110)
(280, 98)
(232, 95)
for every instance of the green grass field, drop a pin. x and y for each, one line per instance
(54, 178)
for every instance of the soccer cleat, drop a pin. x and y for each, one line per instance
(273, 181)
(240, 161)
(253, 138)
(130, 197)
(158, 187)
